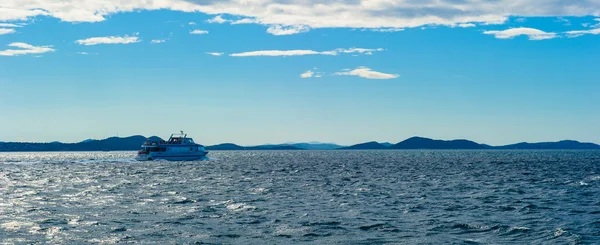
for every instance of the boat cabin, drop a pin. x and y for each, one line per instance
(180, 143)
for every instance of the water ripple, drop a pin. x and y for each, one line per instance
(281, 197)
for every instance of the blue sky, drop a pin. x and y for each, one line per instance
(254, 72)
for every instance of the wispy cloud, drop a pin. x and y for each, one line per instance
(520, 20)
(24, 49)
(220, 20)
(578, 33)
(300, 52)
(597, 25)
(307, 74)
(4, 31)
(366, 72)
(563, 20)
(244, 21)
(367, 51)
(158, 41)
(279, 30)
(466, 25)
(82, 53)
(312, 73)
(198, 32)
(192, 23)
(108, 40)
(385, 29)
(533, 34)
(10, 25)
(214, 53)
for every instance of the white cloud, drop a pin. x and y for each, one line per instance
(386, 29)
(4, 31)
(83, 53)
(244, 21)
(312, 74)
(366, 51)
(300, 52)
(278, 53)
(366, 72)
(192, 23)
(597, 25)
(520, 20)
(199, 32)
(158, 41)
(217, 19)
(108, 40)
(579, 33)
(220, 20)
(214, 53)
(466, 25)
(313, 13)
(11, 10)
(9, 25)
(533, 34)
(307, 74)
(279, 30)
(24, 49)
(563, 20)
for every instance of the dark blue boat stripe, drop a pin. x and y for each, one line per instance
(178, 156)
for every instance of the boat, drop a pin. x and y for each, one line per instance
(179, 147)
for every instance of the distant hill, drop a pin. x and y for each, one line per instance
(316, 146)
(425, 143)
(234, 147)
(224, 147)
(111, 144)
(133, 143)
(461, 144)
(307, 146)
(277, 147)
(560, 145)
(367, 146)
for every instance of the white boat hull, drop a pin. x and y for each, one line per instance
(171, 157)
(177, 148)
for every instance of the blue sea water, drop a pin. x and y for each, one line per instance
(310, 197)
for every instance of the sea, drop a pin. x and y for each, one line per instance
(302, 197)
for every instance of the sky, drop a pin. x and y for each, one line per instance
(274, 71)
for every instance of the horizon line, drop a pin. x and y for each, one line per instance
(307, 142)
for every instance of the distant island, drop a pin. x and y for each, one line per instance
(133, 143)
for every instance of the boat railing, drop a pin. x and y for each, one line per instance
(162, 142)
(154, 142)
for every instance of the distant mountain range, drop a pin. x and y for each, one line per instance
(234, 147)
(134, 143)
(461, 144)
(306, 146)
(109, 144)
